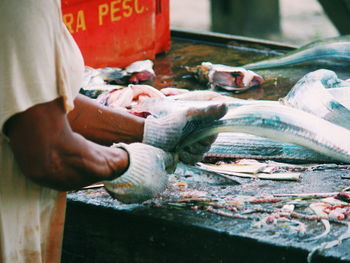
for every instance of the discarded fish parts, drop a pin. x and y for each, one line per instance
(135, 73)
(235, 79)
(336, 48)
(126, 97)
(231, 169)
(97, 81)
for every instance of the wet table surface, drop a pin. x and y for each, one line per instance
(153, 231)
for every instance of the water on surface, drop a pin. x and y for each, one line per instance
(171, 68)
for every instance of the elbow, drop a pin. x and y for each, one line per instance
(49, 178)
(46, 171)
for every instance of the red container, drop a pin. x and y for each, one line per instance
(116, 33)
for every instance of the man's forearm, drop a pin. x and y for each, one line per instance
(51, 154)
(103, 125)
(76, 162)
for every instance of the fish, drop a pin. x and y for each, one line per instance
(319, 92)
(201, 98)
(98, 81)
(335, 48)
(229, 78)
(140, 71)
(169, 91)
(341, 94)
(200, 95)
(232, 145)
(312, 94)
(280, 123)
(127, 97)
(135, 73)
(140, 66)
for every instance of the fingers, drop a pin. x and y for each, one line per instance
(189, 158)
(208, 140)
(197, 148)
(169, 162)
(201, 146)
(209, 113)
(194, 153)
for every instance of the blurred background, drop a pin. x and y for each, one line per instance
(289, 21)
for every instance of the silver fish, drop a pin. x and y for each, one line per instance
(342, 94)
(246, 146)
(162, 106)
(337, 48)
(281, 123)
(313, 94)
(318, 92)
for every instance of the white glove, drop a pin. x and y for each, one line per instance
(166, 132)
(146, 175)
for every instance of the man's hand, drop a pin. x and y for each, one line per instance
(166, 132)
(146, 175)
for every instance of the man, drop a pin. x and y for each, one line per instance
(50, 144)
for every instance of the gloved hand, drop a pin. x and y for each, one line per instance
(166, 132)
(146, 175)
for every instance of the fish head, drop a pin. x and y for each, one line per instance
(200, 73)
(141, 76)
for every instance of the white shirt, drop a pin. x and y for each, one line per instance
(39, 62)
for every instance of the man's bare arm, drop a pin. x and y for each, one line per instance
(51, 154)
(104, 125)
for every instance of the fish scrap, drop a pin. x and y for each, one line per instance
(283, 211)
(330, 209)
(128, 96)
(247, 172)
(235, 79)
(97, 81)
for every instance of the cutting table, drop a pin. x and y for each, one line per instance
(169, 229)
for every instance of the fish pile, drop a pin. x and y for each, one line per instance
(298, 128)
(289, 122)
